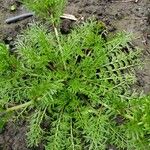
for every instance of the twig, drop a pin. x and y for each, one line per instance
(18, 18)
(68, 16)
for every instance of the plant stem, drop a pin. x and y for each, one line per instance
(72, 139)
(58, 41)
(19, 106)
(60, 47)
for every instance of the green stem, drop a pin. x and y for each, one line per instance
(60, 47)
(59, 44)
(19, 106)
(72, 138)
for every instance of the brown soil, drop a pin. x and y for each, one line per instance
(118, 15)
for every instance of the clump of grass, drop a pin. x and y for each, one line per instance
(73, 88)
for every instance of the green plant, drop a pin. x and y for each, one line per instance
(73, 87)
(47, 9)
(138, 128)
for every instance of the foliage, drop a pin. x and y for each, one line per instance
(75, 88)
(78, 103)
(138, 129)
(47, 9)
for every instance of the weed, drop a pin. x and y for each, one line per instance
(76, 85)
(47, 9)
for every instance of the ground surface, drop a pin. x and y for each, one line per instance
(118, 15)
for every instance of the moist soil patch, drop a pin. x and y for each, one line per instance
(118, 15)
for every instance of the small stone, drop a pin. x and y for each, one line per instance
(13, 8)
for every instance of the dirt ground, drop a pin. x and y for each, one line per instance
(119, 15)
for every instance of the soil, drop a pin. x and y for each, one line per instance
(11, 138)
(118, 15)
